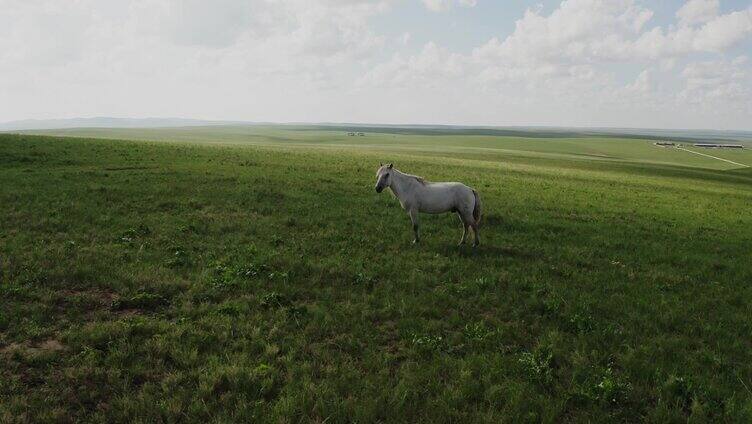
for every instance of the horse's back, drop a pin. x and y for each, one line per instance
(447, 196)
(451, 188)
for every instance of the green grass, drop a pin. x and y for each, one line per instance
(261, 279)
(533, 145)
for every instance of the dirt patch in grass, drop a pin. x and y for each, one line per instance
(93, 301)
(104, 297)
(11, 347)
(120, 306)
(50, 345)
(32, 348)
(127, 313)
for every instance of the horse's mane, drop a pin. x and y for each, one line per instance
(421, 180)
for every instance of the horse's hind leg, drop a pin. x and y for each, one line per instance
(475, 232)
(465, 227)
(416, 229)
(469, 221)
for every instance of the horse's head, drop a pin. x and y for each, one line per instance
(383, 177)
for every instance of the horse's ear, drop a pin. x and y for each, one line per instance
(380, 164)
(391, 165)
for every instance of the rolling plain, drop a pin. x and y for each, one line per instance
(251, 273)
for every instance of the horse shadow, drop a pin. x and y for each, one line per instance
(486, 250)
(489, 251)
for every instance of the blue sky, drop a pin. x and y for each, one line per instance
(467, 27)
(623, 63)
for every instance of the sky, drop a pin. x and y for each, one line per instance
(598, 63)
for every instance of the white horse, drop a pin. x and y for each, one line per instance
(418, 195)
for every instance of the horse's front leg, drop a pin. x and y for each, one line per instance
(414, 218)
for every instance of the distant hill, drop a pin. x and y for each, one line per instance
(532, 132)
(104, 122)
(543, 132)
(679, 134)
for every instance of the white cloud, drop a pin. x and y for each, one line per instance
(567, 58)
(404, 39)
(723, 31)
(643, 84)
(445, 5)
(718, 83)
(594, 30)
(41, 34)
(212, 24)
(256, 37)
(584, 62)
(577, 30)
(698, 11)
(432, 67)
(171, 58)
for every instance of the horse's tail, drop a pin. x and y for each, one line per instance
(476, 208)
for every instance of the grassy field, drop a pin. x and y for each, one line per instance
(560, 146)
(254, 275)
